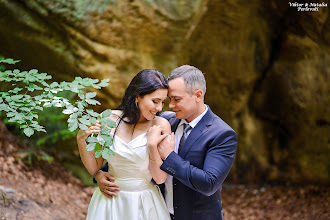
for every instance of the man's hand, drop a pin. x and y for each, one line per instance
(106, 184)
(166, 146)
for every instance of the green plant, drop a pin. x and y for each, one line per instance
(5, 205)
(30, 93)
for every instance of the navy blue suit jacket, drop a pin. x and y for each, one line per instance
(201, 167)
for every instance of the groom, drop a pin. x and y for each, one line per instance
(205, 148)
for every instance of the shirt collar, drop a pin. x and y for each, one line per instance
(194, 122)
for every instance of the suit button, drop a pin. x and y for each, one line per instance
(175, 207)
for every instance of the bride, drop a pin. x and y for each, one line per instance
(136, 161)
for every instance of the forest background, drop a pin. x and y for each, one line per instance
(266, 63)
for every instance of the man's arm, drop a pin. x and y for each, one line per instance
(104, 168)
(218, 161)
(106, 182)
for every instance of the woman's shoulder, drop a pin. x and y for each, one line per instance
(115, 114)
(161, 122)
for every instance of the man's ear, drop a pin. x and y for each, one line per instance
(199, 95)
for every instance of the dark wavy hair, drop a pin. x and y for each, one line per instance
(145, 82)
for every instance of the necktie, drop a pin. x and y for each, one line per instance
(186, 129)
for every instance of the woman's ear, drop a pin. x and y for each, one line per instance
(137, 98)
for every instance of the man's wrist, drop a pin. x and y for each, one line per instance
(168, 155)
(94, 176)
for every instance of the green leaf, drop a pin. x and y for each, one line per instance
(108, 143)
(105, 155)
(91, 139)
(90, 95)
(10, 114)
(110, 123)
(54, 84)
(81, 95)
(16, 97)
(73, 126)
(106, 137)
(67, 111)
(90, 146)
(104, 83)
(106, 113)
(4, 107)
(28, 132)
(93, 120)
(92, 113)
(98, 147)
(39, 108)
(98, 153)
(74, 88)
(80, 106)
(83, 127)
(105, 130)
(84, 121)
(101, 142)
(107, 152)
(47, 105)
(33, 71)
(92, 102)
(10, 61)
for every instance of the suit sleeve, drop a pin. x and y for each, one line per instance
(219, 159)
(104, 168)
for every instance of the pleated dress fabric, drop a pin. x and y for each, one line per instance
(139, 197)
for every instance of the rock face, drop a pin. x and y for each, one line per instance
(267, 66)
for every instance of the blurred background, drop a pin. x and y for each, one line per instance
(267, 67)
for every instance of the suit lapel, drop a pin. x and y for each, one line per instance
(197, 132)
(174, 123)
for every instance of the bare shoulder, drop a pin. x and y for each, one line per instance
(163, 123)
(115, 114)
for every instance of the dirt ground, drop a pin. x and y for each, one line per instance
(48, 191)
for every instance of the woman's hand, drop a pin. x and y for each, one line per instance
(82, 135)
(166, 146)
(155, 136)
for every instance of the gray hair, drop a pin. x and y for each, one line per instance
(193, 78)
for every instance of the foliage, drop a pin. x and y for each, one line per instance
(31, 93)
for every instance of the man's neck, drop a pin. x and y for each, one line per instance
(200, 109)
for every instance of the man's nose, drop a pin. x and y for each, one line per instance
(171, 105)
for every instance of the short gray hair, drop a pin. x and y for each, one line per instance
(193, 78)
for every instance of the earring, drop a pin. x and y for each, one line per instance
(136, 104)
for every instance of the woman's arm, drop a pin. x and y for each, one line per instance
(156, 134)
(91, 163)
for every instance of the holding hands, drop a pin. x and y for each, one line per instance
(157, 138)
(155, 135)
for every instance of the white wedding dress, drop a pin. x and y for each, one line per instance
(139, 198)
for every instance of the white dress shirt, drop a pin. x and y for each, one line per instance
(178, 135)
